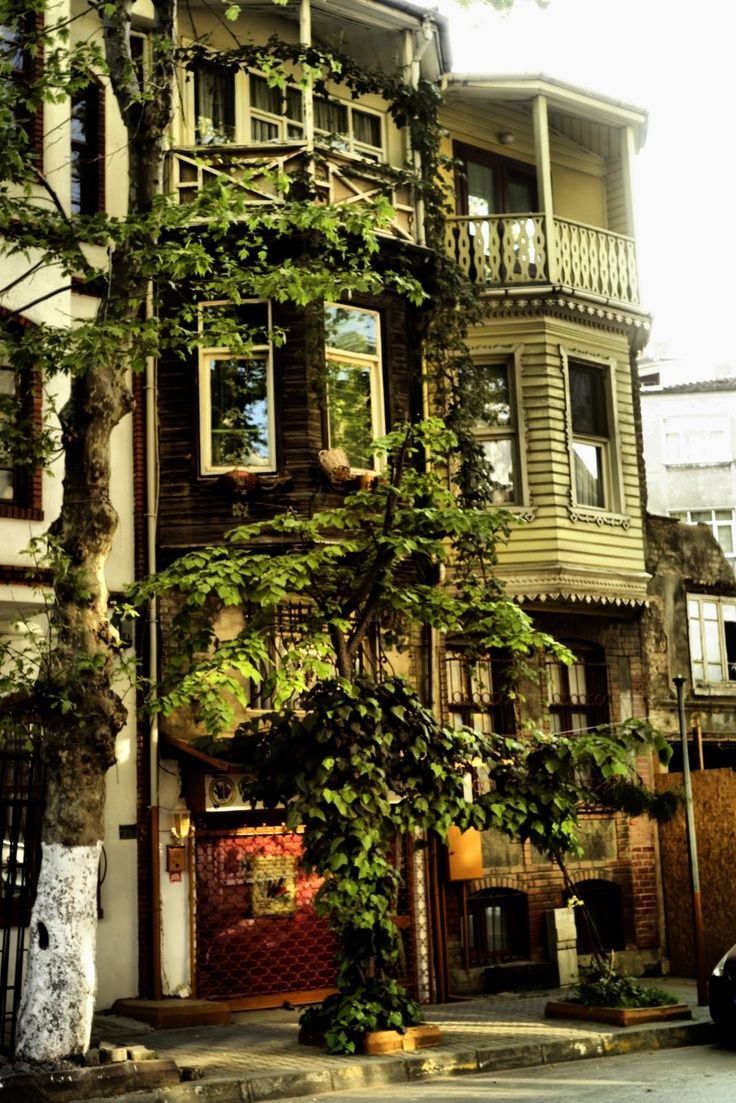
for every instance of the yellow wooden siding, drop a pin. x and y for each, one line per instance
(616, 195)
(578, 196)
(552, 537)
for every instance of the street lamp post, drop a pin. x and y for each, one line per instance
(679, 683)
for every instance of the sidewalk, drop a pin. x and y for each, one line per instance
(257, 1056)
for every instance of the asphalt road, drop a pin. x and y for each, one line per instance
(696, 1074)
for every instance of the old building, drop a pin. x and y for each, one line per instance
(543, 227)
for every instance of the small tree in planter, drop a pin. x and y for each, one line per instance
(359, 760)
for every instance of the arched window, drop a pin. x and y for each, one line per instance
(605, 919)
(498, 926)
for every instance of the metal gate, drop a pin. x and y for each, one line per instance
(259, 940)
(21, 812)
(258, 937)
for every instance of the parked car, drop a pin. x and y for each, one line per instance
(722, 991)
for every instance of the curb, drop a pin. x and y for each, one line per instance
(407, 1069)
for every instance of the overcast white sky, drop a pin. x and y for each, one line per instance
(676, 59)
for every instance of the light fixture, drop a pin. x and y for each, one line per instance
(181, 820)
(505, 138)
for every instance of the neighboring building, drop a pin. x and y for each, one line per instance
(544, 225)
(689, 434)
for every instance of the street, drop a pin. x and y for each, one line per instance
(694, 1074)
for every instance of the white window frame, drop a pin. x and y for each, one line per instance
(515, 431)
(711, 670)
(611, 471)
(714, 523)
(684, 440)
(375, 365)
(207, 353)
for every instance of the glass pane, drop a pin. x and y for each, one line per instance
(349, 402)
(351, 330)
(588, 401)
(7, 487)
(724, 535)
(294, 105)
(729, 612)
(497, 396)
(701, 516)
(696, 645)
(262, 131)
(331, 116)
(214, 99)
(576, 678)
(521, 192)
(481, 189)
(709, 610)
(588, 464)
(456, 689)
(366, 128)
(79, 118)
(500, 453)
(263, 97)
(7, 382)
(699, 671)
(715, 674)
(239, 412)
(712, 640)
(723, 514)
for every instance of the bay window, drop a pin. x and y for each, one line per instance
(591, 435)
(236, 389)
(496, 431)
(355, 414)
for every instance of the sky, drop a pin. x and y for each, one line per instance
(677, 60)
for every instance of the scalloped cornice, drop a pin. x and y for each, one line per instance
(576, 585)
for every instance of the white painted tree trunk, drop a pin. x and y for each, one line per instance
(59, 991)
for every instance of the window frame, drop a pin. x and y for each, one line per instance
(220, 352)
(714, 523)
(26, 502)
(699, 644)
(588, 657)
(377, 394)
(611, 469)
(515, 431)
(91, 165)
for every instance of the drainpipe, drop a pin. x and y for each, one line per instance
(700, 970)
(305, 41)
(412, 65)
(151, 460)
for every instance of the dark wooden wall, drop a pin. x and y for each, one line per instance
(196, 509)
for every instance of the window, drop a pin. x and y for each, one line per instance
(696, 440)
(496, 432)
(354, 383)
(488, 184)
(722, 523)
(20, 417)
(214, 104)
(577, 695)
(87, 152)
(236, 388)
(475, 692)
(275, 114)
(349, 128)
(589, 415)
(712, 630)
(22, 53)
(498, 926)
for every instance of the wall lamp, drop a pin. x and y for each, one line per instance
(181, 820)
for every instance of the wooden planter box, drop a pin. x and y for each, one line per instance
(617, 1016)
(386, 1041)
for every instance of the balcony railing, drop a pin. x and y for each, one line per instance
(513, 250)
(339, 178)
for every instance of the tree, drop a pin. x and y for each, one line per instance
(351, 752)
(216, 248)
